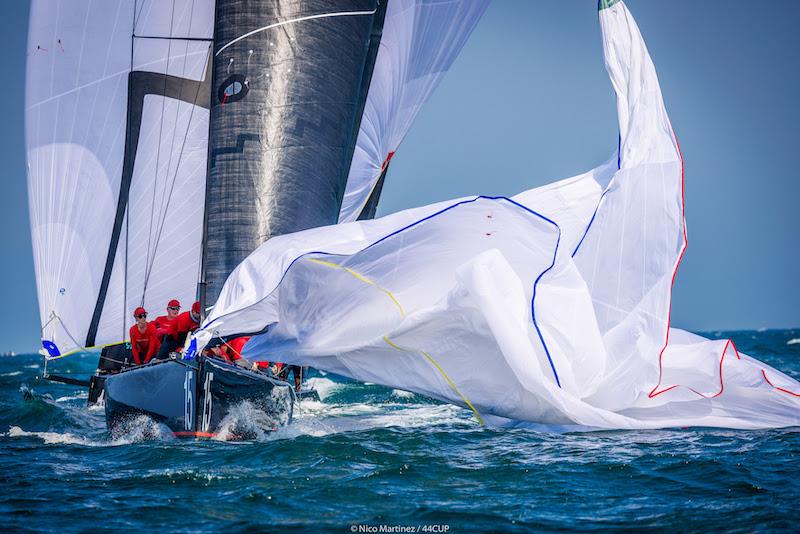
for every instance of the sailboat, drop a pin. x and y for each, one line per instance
(167, 140)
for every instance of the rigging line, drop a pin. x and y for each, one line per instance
(137, 13)
(177, 167)
(54, 315)
(299, 19)
(125, 283)
(158, 154)
(164, 206)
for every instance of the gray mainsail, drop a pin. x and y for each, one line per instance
(289, 84)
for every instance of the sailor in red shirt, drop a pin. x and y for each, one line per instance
(165, 324)
(231, 351)
(144, 340)
(185, 323)
(166, 329)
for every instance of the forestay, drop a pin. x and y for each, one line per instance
(116, 131)
(551, 307)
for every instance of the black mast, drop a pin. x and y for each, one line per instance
(290, 78)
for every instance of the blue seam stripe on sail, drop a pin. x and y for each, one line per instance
(415, 223)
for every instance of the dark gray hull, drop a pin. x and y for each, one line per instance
(198, 399)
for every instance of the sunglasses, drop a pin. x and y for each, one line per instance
(141, 315)
(174, 308)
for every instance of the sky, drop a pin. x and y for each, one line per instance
(528, 102)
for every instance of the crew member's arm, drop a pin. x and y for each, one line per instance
(234, 348)
(135, 346)
(153, 346)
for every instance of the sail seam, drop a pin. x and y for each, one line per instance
(430, 358)
(201, 39)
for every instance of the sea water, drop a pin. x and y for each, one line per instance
(366, 458)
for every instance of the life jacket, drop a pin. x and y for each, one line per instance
(144, 345)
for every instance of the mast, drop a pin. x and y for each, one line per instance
(288, 91)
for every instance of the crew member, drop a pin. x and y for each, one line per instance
(166, 328)
(144, 339)
(231, 351)
(185, 323)
(165, 324)
(297, 372)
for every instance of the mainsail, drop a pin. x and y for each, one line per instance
(549, 307)
(168, 139)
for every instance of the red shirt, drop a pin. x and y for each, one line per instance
(165, 326)
(232, 350)
(235, 347)
(144, 345)
(183, 324)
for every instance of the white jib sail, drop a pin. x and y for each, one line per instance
(549, 308)
(419, 43)
(92, 257)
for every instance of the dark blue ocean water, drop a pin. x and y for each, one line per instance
(368, 455)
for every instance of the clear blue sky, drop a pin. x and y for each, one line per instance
(528, 102)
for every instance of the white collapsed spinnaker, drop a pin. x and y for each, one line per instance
(116, 160)
(419, 42)
(551, 307)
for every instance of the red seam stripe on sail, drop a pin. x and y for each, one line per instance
(764, 373)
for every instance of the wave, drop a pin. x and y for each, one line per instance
(793, 341)
(50, 438)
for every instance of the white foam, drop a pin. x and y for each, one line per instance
(12, 373)
(140, 428)
(50, 438)
(80, 395)
(323, 386)
(324, 420)
(402, 394)
(793, 341)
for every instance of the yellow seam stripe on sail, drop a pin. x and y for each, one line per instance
(447, 378)
(403, 313)
(362, 278)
